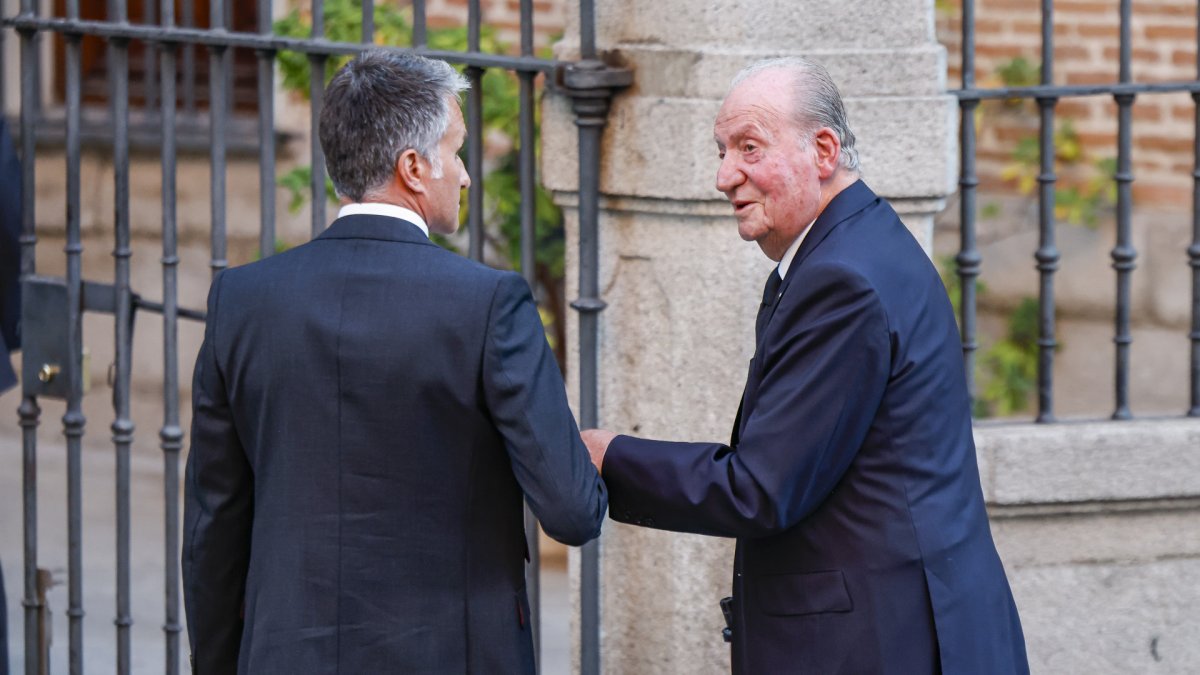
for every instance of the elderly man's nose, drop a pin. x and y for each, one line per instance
(728, 175)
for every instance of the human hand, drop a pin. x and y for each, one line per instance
(597, 441)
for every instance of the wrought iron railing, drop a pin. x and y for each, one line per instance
(1124, 257)
(588, 82)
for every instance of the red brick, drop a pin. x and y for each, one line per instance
(1171, 32)
(1163, 143)
(1093, 77)
(1007, 51)
(1151, 8)
(1138, 55)
(1090, 139)
(1074, 108)
(1028, 27)
(1183, 113)
(1101, 31)
(1147, 113)
(1023, 5)
(1154, 192)
(1072, 51)
(1184, 57)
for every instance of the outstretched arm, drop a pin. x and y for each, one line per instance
(824, 366)
(525, 393)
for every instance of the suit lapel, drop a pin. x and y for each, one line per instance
(841, 208)
(846, 204)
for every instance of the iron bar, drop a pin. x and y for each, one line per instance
(587, 30)
(29, 412)
(419, 38)
(74, 420)
(170, 435)
(149, 77)
(589, 305)
(1123, 254)
(475, 163)
(1047, 255)
(266, 135)
(316, 90)
(122, 426)
(526, 169)
(217, 108)
(158, 308)
(1194, 250)
(968, 260)
(189, 57)
(240, 40)
(317, 185)
(368, 21)
(475, 137)
(591, 109)
(316, 99)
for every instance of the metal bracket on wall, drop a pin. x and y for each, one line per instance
(46, 361)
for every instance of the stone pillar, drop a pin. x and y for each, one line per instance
(682, 288)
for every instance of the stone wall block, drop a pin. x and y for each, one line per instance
(1086, 462)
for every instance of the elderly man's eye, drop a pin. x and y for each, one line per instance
(721, 154)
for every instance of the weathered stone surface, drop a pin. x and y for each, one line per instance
(681, 286)
(1111, 617)
(1090, 462)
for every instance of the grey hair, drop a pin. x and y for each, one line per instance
(377, 106)
(818, 103)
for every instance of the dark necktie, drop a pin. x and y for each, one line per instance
(770, 295)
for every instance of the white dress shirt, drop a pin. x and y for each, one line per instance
(381, 209)
(786, 261)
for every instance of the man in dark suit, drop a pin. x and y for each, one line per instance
(850, 481)
(369, 410)
(10, 301)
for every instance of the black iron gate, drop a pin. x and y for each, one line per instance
(52, 322)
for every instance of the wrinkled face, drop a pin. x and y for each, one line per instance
(445, 192)
(768, 167)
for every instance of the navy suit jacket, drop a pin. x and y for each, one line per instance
(369, 409)
(851, 484)
(10, 255)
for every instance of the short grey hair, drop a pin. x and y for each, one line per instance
(377, 106)
(817, 103)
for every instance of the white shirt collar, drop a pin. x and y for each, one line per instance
(786, 261)
(381, 209)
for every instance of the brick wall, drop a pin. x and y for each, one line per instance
(1086, 51)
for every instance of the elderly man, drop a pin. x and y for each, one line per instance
(369, 409)
(850, 481)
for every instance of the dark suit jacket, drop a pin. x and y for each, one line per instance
(10, 255)
(368, 411)
(851, 485)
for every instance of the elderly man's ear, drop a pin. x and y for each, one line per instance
(828, 149)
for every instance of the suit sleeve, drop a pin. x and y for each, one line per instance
(825, 364)
(525, 394)
(217, 515)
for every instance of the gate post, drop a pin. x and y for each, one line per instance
(681, 287)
